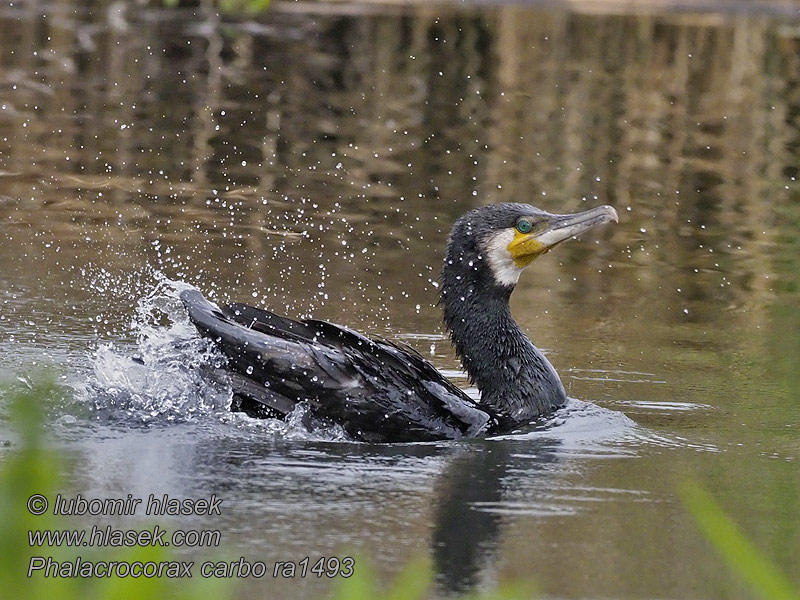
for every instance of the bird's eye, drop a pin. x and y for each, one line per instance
(524, 226)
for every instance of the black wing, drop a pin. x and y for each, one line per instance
(376, 390)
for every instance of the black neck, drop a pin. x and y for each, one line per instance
(514, 378)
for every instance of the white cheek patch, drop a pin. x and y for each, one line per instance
(495, 248)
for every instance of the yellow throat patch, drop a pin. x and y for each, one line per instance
(524, 248)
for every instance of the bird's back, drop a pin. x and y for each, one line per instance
(374, 389)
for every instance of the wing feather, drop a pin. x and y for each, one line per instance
(375, 389)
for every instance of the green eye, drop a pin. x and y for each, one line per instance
(524, 226)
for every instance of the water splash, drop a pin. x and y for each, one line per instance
(161, 377)
(171, 375)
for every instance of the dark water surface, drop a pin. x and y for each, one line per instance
(312, 162)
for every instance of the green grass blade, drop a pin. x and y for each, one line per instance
(738, 552)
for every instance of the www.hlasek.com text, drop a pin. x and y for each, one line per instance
(118, 538)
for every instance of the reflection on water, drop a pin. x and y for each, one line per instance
(313, 163)
(465, 535)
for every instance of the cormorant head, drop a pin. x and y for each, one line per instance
(508, 237)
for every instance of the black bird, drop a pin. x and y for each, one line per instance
(379, 391)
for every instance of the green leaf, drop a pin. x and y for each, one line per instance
(738, 552)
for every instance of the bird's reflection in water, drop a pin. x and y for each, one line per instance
(359, 495)
(466, 532)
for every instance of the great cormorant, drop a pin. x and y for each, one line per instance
(379, 391)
